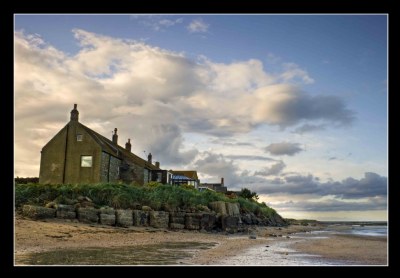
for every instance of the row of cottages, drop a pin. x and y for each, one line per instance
(77, 154)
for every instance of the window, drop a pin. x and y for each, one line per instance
(79, 137)
(86, 161)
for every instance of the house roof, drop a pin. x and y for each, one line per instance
(190, 174)
(108, 146)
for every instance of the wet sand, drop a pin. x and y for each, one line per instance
(52, 235)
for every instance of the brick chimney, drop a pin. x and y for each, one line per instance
(74, 113)
(115, 137)
(222, 181)
(149, 158)
(128, 145)
(157, 164)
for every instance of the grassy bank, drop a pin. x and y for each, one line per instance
(122, 196)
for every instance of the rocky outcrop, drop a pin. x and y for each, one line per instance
(208, 221)
(159, 219)
(123, 218)
(140, 218)
(232, 209)
(36, 212)
(230, 223)
(218, 207)
(65, 211)
(107, 216)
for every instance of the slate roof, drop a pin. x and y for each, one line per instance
(108, 146)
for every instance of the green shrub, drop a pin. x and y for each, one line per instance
(122, 196)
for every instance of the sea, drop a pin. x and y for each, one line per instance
(280, 253)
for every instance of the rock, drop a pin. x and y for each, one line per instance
(88, 215)
(159, 219)
(107, 216)
(146, 208)
(218, 207)
(252, 237)
(84, 198)
(192, 221)
(287, 236)
(36, 212)
(140, 218)
(232, 209)
(123, 218)
(203, 208)
(246, 219)
(86, 204)
(229, 223)
(176, 226)
(208, 221)
(107, 219)
(51, 205)
(65, 211)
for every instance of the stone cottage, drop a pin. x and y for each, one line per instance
(77, 154)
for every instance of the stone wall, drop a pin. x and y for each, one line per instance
(224, 217)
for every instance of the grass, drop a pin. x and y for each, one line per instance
(122, 196)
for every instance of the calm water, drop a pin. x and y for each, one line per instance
(369, 230)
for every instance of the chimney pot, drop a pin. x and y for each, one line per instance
(128, 145)
(149, 158)
(74, 113)
(115, 137)
(222, 181)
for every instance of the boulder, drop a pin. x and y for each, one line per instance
(218, 207)
(159, 219)
(192, 221)
(36, 212)
(229, 223)
(124, 218)
(107, 216)
(232, 209)
(246, 219)
(65, 211)
(88, 215)
(146, 208)
(208, 221)
(140, 218)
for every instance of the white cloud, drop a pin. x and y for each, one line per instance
(198, 26)
(293, 72)
(152, 95)
(156, 22)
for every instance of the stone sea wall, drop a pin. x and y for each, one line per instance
(221, 216)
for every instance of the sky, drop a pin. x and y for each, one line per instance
(293, 107)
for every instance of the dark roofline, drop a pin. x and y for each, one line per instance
(108, 146)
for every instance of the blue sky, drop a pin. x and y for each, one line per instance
(292, 106)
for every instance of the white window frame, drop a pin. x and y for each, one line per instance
(79, 137)
(85, 161)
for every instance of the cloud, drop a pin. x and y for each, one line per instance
(198, 26)
(286, 105)
(308, 128)
(371, 185)
(249, 157)
(376, 203)
(147, 91)
(294, 72)
(274, 169)
(156, 22)
(284, 148)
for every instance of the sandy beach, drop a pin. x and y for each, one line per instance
(36, 237)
